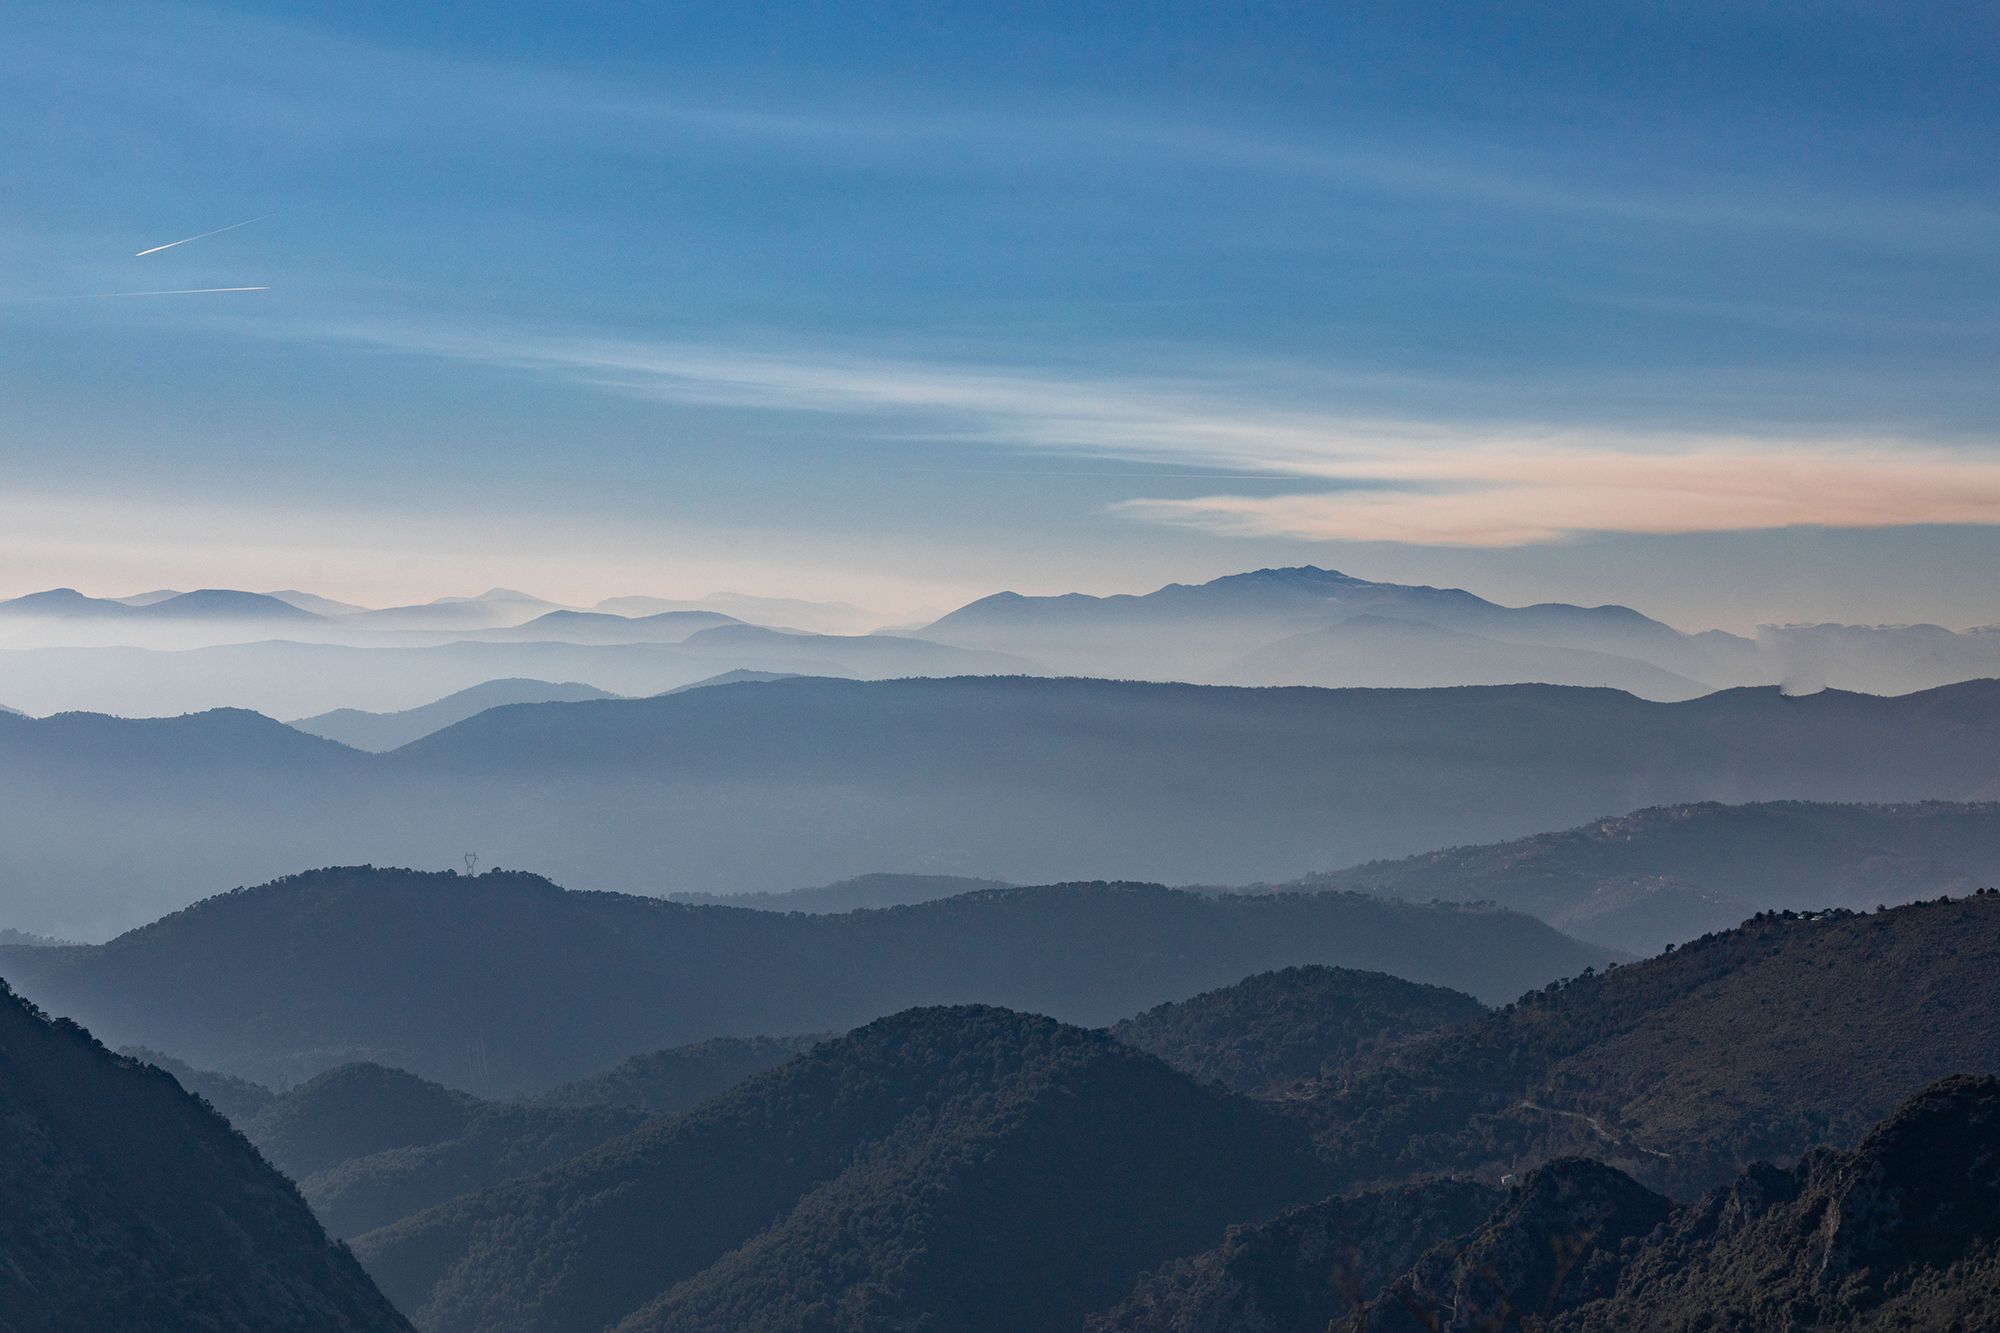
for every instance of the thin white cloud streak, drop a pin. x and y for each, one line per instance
(1530, 498)
(203, 235)
(1412, 480)
(176, 291)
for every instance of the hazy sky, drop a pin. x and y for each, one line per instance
(1690, 306)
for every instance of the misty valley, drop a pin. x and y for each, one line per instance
(1000, 1000)
(1142, 668)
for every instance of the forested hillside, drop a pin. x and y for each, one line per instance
(1791, 1031)
(505, 983)
(1283, 1033)
(130, 1205)
(972, 1169)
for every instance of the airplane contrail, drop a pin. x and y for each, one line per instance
(198, 235)
(178, 291)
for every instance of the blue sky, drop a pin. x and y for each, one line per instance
(1690, 306)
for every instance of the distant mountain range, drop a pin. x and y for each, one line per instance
(449, 976)
(130, 1205)
(205, 604)
(1311, 626)
(771, 785)
(1664, 875)
(289, 653)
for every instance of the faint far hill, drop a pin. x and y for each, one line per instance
(598, 627)
(24, 939)
(1660, 876)
(847, 895)
(451, 977)
(386, 731)
(779, 612)
(130, 1205)
(202, 604)
(961, 1168)
(1379, 651)
(309, 601)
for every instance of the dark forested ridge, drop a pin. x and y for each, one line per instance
(1789, 1031)
(238, 1099)
(504, 983)
(1282, 1033)
(966, 1168)
(769, 785)
(1642, 881)
(131, 1205)
(369, 1145)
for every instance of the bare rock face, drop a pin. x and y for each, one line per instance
(1904, 1231)
(1305, 1268)
(1549, 1247)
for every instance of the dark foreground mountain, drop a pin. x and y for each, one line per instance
(1282, 1033)
(238, 1099)
(970, 1168)
(877, 890)
(385, 731)
(769, 785)
(505, 983)
(130, 1205)
(1758, 1042)
(1306, 1268)
(1902, 1232)
(369, 1145)
(668, 1082)
(1642, 881)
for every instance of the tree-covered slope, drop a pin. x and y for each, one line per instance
(131, 1205)
(963, 1168)
(455, 978)
(1789, 1031)
(370, 1145)
(1281, 1033)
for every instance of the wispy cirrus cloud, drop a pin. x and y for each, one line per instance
(1410, 479)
